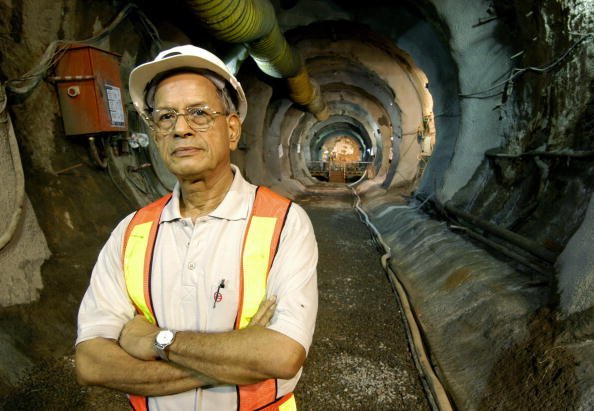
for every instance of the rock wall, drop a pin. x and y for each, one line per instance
(546, 198)
(576, 268)
(24, 246)
(549, 101)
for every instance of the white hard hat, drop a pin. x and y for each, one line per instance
(187, 56)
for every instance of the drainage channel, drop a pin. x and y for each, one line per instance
(360, 358)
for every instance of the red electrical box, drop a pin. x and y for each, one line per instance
(90, 91)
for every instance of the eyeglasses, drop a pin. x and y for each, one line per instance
(199, 118)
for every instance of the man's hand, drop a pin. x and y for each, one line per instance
(137, 338)
(265, 312)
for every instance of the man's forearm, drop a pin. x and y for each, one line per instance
(242, 356)
(103, 362)
(245, 356)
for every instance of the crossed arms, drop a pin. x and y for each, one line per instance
(244, 356)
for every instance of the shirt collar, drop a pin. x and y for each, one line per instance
(233, 207)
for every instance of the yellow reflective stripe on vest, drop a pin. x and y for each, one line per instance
(289, 405)
(256, 256)
(134, 258)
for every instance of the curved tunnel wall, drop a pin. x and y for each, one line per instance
(366, 79)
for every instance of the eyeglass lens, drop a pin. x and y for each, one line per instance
(197, 117)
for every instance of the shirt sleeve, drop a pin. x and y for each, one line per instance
(293, 279)
(106, 307)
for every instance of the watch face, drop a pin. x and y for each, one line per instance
(165, 337)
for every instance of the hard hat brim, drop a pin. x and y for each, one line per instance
(142, 75)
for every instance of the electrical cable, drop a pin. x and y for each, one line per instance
(351, 185)
(57, 48)
(32, 78)
(436, 393)
(517, 71)
(542, 153)
(129, 200)
(144, 191)
(8, 234)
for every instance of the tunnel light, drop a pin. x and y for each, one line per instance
(298, 148)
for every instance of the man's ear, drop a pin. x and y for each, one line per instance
(234, 124)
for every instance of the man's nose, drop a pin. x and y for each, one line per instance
(182, 127)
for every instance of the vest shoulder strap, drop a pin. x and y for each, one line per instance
(137, 255)
(260, 244)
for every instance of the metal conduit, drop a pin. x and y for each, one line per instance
(254, 22)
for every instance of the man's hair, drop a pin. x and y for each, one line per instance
(224, 89)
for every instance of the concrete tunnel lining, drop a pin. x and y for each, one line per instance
(409, 94)
(307, 128)
(408, 170)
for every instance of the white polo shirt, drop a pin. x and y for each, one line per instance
(190, 262)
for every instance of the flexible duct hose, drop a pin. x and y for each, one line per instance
(275, 56)
(18, 169)
(308, 96)
(236, 21)
(254, 22)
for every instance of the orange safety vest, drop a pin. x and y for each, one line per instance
(258, 251)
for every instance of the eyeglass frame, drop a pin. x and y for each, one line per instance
(146, 116)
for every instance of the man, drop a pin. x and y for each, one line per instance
(205, 300)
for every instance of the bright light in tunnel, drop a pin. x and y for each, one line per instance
(341, 151)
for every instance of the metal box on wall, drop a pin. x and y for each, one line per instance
(90, 91)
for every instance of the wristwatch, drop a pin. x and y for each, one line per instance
(163, 340)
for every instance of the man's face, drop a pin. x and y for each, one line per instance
(187, 153)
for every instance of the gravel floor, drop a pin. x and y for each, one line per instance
(359, 359)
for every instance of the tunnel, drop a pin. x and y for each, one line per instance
(451, 142)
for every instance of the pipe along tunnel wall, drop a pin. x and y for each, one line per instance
(489, 85)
